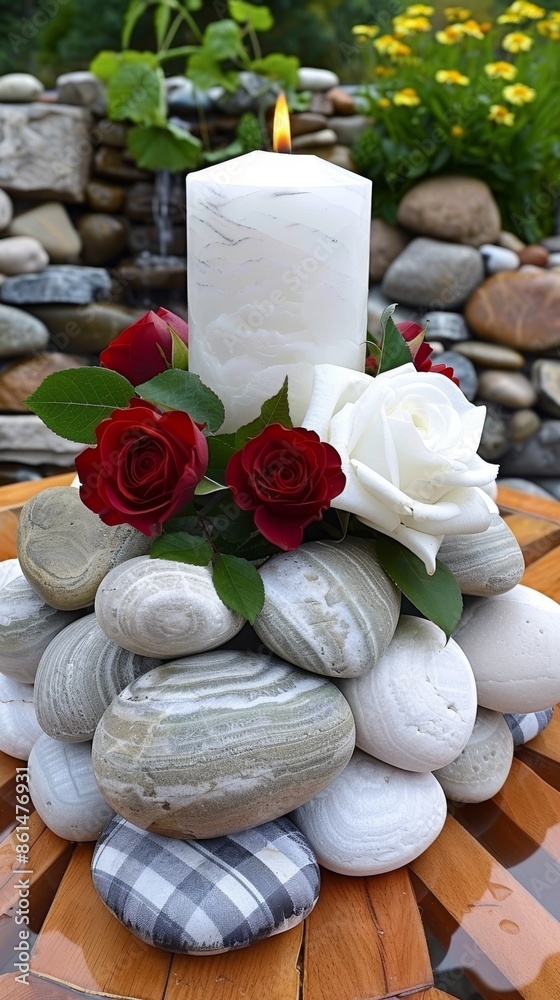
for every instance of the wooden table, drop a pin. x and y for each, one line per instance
(488, 887)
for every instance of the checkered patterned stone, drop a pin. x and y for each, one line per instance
(526, 727)
(206, 896)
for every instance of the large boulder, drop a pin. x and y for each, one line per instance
(518, 308)
(45, 151)
(434, 274)
(459, 209)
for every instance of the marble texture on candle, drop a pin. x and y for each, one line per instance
(278, 276)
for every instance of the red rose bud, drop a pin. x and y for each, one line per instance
(144, 468)
(288, 478)
(137, 352)
(410, 330)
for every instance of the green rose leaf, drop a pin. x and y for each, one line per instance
(137, 92)
(182, 547)
(73, 403)
(167, 147)
(278, 67)
(258, 18)
(220, 449)
(179, 390)
(206, 486)
(179, 352)
(437, 597)
(275, 410)
(238, 585)
(394, 348)
(205, 72)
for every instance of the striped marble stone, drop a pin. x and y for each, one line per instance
(486, 563)
(209, 745)
(159, 607)
(64, 791)
(329, 607)
(65, 550)
(19, 728)
(79, 674)
(27, 626)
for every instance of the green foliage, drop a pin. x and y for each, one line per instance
(136, 93)
(437, 597)
(107, 63)
(424, 126)
(182, 547)
(273, 411)
(258, 18)
(283, 69)
(250, 134)
(73, 403)
(393, 349)
(238, 585)
(166, 147)
(180, 390)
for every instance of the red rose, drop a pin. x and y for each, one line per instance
(288, 477)
(144, 468)
(136, 352)
(421, 355)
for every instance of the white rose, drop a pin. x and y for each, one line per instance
(408, 444)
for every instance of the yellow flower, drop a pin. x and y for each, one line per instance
(452, 76)
(384, 102)
(383, 71)
(526, 9)
(419, 10)
(385, 44)
(406, 97)
(403, 26)
(550, 29)
(501, 70)
(400, 49)
(472, 28)
(458, 131)
(450, 35)
(554, 15)
(500, 115)
(517, 41)
(519, 93)
(509, 18)
(457, 13)
(485, 27)
(365, 30)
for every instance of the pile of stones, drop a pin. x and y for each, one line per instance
(217, 765)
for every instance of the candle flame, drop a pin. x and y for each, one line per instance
(281, 138)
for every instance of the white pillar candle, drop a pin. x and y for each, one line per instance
(278, 266)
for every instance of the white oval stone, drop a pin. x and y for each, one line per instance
(416, 708)
(27, 626)
(64, 790)
(158, 607)
(20, 87)
(499, 258)
(9, 570)
(22, 255)
(329, 607)
(80, 673)
(482, 767)
(315, 79)
(373, 818)
(19, 729)
(488, 562)
(511, 642)
(6, 211)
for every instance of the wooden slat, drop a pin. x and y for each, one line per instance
(42, 989)
(388, 952)
(82, 945)
(544, 575)
(8, 769)
(499, 915)
(533, 806)
(16, 494)
(8, 854)
(268, 969)
(536, 537)
(44, 852)
(526, 503)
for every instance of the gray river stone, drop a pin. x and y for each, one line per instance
(329, 607)
(486, 563)
(65, 550)
(27, 626)
(79, 674)
(209, 745)
(20, 333)
(59, 283)
(482, 767)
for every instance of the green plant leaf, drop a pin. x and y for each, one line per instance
(238, 585)
(179, 352)
(223, 40)
(182, 547)
(274, 411)
(137, 93)
(165, 147)
(179, 390)
(206, 486)
(133, 14)
(106, 63)
(162, 17)
(212, 156)
(258, 18)
(73, 403)
(437, 597)
(278, 67)
(206, 72)
(220, 449)
(394, 348)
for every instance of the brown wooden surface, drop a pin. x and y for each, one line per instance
(365, 939)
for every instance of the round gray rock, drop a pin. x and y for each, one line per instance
(433, 274)
(27, 625)
(482, 767)
(20, 333)
(486, 563)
